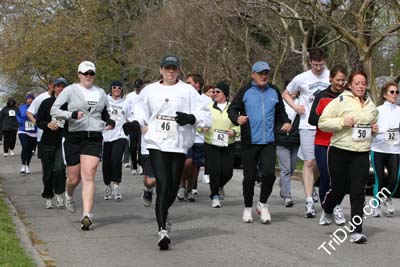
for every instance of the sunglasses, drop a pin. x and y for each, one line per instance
(217, 92)
(117, 87)
(88, 73)
(393, 92)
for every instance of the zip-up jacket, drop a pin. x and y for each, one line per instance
(388, 120)
(8, 116)
(119, 112)
(332, 118)
(220, 121)
(320, 102)
(157, 108)
(264, 109)
(22, 120)
(93, 120)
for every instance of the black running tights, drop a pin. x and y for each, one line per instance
(168, 169)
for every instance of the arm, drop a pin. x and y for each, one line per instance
(289, 100)
(236, 108)
(56, 110)
(314, 116)
(330, 119)
(42, 119)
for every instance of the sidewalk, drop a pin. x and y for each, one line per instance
(125, 233)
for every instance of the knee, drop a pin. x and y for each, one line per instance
(309, 164)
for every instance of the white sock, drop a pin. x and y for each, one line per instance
(67, 196)
(309, 199)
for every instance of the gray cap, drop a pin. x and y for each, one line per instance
(60, 80)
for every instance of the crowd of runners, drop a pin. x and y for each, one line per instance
(170, 128)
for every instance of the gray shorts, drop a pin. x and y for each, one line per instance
(306, 149)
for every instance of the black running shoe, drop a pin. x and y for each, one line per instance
(86, 222)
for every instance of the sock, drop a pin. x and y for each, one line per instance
(67, 196)
(309, 199)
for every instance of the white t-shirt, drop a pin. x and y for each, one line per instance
(91, 95)
(34, 108)
(308, 85)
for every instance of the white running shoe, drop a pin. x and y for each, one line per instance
(139, 170)
(358, 238)
(164, 240)
(289, 202)
(12, 153)
(49, 203)
(247, 215)
(310, 210)
(27, 169)
(134, 172)
(5, 155)
(388, 208)
(376, 212)
(181, 194)
(325, 219)
(339, 215)
(127, 165)
(107, 192)
(86, 222)
(70, 205)
(60, 202)
(117, 193)
(206, 179)
(315, 195)
(22, 170)
(265, 216)
(147, 197)
(215, 202)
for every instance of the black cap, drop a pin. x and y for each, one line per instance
(223, 87)
(170, 60)
(116, 83)
(138, 83)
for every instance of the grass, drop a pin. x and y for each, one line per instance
(11, 252)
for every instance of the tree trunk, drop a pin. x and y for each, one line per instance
(367, 67)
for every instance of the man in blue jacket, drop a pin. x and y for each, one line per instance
(257, 108)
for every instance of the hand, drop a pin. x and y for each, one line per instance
(231, 133)
(286, 127)
(144, 129)
(206, 129)
(184, 118)
(241, 120)
(374, 128)
(348, 121)
(300, 109)
(76, 115)
(109, 127)
(52, 126)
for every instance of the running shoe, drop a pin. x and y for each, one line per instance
(376, 212)
(358, 238)
(60, 203)
(139, 170)
(388, 208)
(117, 193)
(339, 215)
(27, 169)
(12, 153)
(206, 179)
(181, 194)
(310, 210)
(221, 193)
(247, 215)
(315, 195)
(164, 240)
(49, 203)
(107, 192)
(265, 216)
(215, 202)
(147, 197)
(70, 205)
(289, 202)
(127, 165)
(195, 193)
(5, 154)
(86, 222)
(326, 218)
(190, 197)
(22, 170)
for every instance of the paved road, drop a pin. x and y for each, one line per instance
(125, 233)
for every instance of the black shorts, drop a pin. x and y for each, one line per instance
(196, 152)
(147, 168)
(74, 147)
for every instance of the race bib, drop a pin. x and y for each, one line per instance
(361, 132)
(220, 138)
(166, 127)
(11, 113)
(29, 126)
(392, 136)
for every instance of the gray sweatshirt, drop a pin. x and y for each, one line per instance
(94, 118)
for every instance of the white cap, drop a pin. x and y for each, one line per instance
(86, 66)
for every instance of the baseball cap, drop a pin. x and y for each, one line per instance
(60, 80)
(86, 66)
(170, 60)
(138, 83)
(259, 66)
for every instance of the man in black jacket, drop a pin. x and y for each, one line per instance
(257, 108)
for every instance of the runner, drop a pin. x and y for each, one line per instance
(172, 109)
(54, 175)
(26, 134)
(114, 143)
(351, 117)
(9, 126)
(87, 116)
(337, 78)
(385, 147)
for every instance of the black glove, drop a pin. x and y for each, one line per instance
(74, 115)
(184, 118)
(110, 122)
(130, 127)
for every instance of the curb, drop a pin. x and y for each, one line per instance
(23, 232)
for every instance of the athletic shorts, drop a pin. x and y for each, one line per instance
(74, 147)
(147, 168)
(306, 149)
(196, 152)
